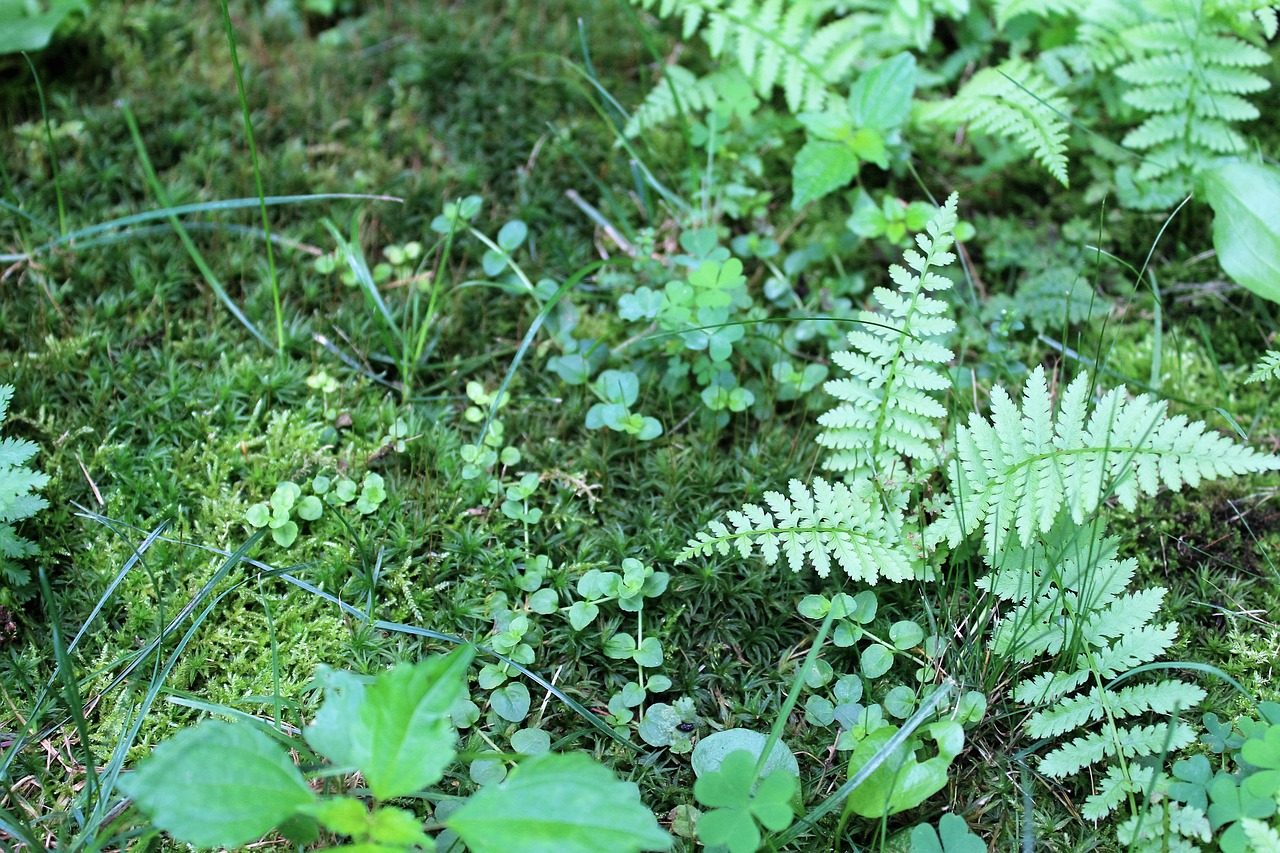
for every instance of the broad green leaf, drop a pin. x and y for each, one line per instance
(820, 169)
(512, 235)
(21, 31)
(906, 634)
(531, 741)
(396, 731)
(649, 653)
(343, 815)
(1246, 224)
(310, 508)
(953, 836)
(711, 750)
(876, 661)
(219, 784)
(881, 98)
(512, 702)
(558, 804)
(581, 614)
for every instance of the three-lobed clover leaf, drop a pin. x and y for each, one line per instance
(739, 803)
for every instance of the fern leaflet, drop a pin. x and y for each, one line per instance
(1071, 604)
(1267, 368)
(888, 409)
(1188, 73)
(775, 44)
(831, 523)
(1017, 471)
(1016, 102)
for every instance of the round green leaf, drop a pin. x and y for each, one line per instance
(310, 508)
(512, 235)
(259, 515)
(531, 742)
(219, 784)
(876, 661)
(905, 634)
(511, 703)
(711, 750)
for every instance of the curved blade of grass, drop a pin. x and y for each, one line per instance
(1207, 669)
(73, 239)
(117, 580)
(257, 175)
(191, 225)
(40, 223)
(413, 630)
(198, 259)
(70, 688)
(15, 827)
(360, 269)
(53, 151)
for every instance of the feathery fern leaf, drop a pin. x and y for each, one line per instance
(1267, 368)
(1188, 73)
(831, 523)
(1016, 102)
(1018, 470)
(776, 44)
(888, 410)
(1072, 606)
(679, 91)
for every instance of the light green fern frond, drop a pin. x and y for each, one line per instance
(1073, 611)
(888, 412)
(1267, 368)
(1189, 73)
(680, 90)
(1013, 101)
(1016, 472)
(776, 44)
(832, 523)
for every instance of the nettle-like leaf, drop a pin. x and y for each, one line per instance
(1013, 101)
(1017, 471)
(397, 730)
(219, 784)
(558, 804)
(832, 523)
(888, 410)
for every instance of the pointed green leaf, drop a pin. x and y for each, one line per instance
(558, 804)
(218, 785)
(820, 169)
(396, 731)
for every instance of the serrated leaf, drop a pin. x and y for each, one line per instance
(397, 730)
(821, 168)
(558, 804)
(219, 784)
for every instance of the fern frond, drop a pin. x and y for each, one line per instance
(1162, 697)
(1017, 471)
(832, 523)
(1188, 70)
(1007, 10)
(1155, 739)
(777, 45)
(1013, 101)
(887, 412)
(1267, 368)
(679, 91)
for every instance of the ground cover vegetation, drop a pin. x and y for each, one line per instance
(658, 425)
